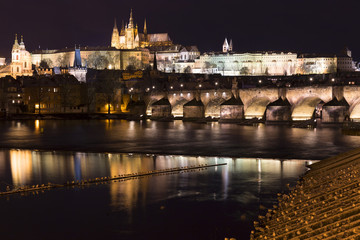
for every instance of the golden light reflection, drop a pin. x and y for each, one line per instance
(127, 193)
(109, 123)
(21, 167)
(37, 124)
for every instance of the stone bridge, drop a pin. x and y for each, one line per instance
(302, 101)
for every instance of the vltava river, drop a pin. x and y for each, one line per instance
(212, 139)
(210, 204)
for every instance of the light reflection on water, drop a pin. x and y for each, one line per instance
(176, 137)
(218, 197)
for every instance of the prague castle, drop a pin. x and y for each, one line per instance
(130, 37)
(131, 49)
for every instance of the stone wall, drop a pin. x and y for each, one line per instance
(278, 113)
(161, 111)
(194, 112)
(231, 112)
(334, 114)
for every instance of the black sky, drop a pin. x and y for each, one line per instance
(289, 25)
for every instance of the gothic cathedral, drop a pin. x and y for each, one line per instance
(130, 38)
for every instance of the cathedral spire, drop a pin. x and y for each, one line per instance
(22, 44)
(16, 43)
(122, 31)
(115, 40)
(16, 39)
(145, 28)
(225, 46)
(115, 24)
(131, 21)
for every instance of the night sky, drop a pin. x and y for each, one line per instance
(321, 26)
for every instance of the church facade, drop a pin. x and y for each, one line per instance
(129, 36)
(20, 59)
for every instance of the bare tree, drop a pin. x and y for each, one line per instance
(109, 92)
(97, 61)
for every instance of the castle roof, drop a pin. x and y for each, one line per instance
(158, 37)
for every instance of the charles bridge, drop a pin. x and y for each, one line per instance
(334, 104)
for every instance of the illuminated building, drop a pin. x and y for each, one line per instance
(77, 70)
(236, 64)
(54, 94)
(128, 48)
(2, 61)
(21, 59)
(130, 38)
(183, 56)
(229, 63)
(94, 57)
(227, 47)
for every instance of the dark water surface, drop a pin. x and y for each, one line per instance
(212, 139)
(210, 204)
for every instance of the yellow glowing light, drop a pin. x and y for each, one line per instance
(37, 124)
(37, 106)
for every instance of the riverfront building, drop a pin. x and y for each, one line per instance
(130, 48)
(229, 63)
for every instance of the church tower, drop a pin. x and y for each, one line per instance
(231, 46)
(115, 38)
(15, 53)
(225, 46)
(130, 33)
(21, 59)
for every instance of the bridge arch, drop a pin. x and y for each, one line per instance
(256, 107)
(355, 111)
(150, 101)
(305, 108)
(177, 106)
(212, 108)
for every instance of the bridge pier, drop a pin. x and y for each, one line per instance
(232, 110)
(161, 109)
(335, 111)
(278, 111)
(194, 110)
